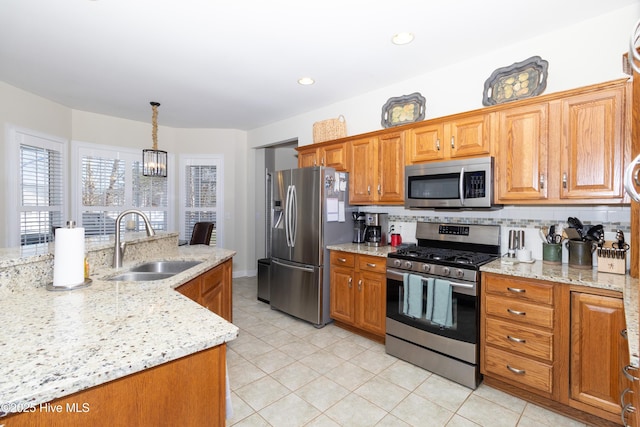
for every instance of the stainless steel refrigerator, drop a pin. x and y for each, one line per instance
(310, 210)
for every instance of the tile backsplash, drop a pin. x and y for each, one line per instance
(527, 218)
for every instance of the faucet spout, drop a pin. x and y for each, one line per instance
(118, 250)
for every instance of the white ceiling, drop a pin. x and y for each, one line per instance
(235, 63)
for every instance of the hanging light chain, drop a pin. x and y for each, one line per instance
(154, 122)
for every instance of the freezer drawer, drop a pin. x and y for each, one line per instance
(298, 290)
(264, 273)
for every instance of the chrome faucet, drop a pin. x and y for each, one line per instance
(118, 250)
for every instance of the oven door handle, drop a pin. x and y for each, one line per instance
(397, 275)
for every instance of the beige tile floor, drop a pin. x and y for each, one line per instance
(285, 372)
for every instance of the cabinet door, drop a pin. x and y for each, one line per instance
(372, 302)
(390, 187)
(521, 161)
(308, 158)
(470, 136)
(592, 145)
(334, 156)
(191, 290)
(425, 143)
(216, 291)
(341, 295)
(598, 351)
(363, 161)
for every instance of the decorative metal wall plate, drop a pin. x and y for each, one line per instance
(403, 109)
(517, 81)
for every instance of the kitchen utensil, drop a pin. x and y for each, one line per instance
(577, 224)
(573, 233)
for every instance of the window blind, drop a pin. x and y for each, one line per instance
(200, 197)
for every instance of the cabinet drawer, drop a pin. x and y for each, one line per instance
(509, 336)
(513, 309)
(519, 369)
(522, 289)
(375, 264)
(343, 259)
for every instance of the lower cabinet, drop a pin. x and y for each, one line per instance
(212, 289)
(561, 346)
(358, 291)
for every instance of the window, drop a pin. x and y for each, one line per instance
(201, 185)
(39, 196)
(110, 181)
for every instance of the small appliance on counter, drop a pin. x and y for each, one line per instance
(359, 227)
(377, 230)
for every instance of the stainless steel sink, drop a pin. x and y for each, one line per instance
(141, 276)
(172, 267)
(155, 270)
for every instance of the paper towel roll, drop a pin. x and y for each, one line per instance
(68, 259)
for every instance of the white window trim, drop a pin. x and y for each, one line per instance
(12, 162)
(203, 159)
(114, 151)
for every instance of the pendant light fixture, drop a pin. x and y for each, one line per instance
(154, 161)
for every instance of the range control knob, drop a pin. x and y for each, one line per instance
(446, 271)
(408, 264)
(397, 263)
(426, 268)
(459, 273)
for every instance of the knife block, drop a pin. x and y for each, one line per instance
(612, 265)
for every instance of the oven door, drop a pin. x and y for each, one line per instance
(464, 307)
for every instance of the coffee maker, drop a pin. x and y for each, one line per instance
(376, 233)
(359, 227)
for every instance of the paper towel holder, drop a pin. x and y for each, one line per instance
(87, 281)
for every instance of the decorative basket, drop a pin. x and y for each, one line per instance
(326, 130)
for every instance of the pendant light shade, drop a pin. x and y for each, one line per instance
(154, 161)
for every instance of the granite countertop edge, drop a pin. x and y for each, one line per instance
(70, 341)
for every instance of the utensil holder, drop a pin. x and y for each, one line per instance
(552, 253)
(612, 261)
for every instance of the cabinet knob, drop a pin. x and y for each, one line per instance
(541, 182)
(453, 142)
(350, 282)
(624, 333)
(564, 180)
(360, 285)
(322, 161)
(437, 145)
(379, 189)
(369, 189)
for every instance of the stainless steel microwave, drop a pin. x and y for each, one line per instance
(453, 184)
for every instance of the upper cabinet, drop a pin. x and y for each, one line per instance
(376, 169)
(450, 139)
(563, 151)
(331, 155)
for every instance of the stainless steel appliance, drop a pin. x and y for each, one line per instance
(307, 217)
(264, 279)
(433, 298)
(377, 231)
(359, 227)
(455, 184)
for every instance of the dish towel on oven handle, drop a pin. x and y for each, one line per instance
(442, 314)
(415, 299)
(405, 293)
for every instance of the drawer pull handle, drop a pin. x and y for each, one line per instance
(517, 290)
(624, 333)
(517, 313)
(371, 265)
(359, 285)
(350, 282)
(626, 373)
(520, 340)
(622, 396)
(516, 371)
(342, 259)
(627, 409)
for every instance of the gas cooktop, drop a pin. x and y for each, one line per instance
(442, 256)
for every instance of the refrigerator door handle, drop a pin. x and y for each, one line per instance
(287, 220)
(295, 267)
(294, 215)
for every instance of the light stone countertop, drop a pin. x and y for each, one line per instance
(624, 284)
(53, 344)
(360, 248)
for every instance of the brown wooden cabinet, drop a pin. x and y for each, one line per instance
(599, 352)
(358, 292)
(376, 169)
(329, 155)
(464, 136)
(519, 326)
(566, 150)
(212, 289)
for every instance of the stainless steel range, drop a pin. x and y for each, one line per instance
(433, 296)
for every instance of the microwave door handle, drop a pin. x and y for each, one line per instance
(461, 186)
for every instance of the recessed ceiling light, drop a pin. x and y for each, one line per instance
(305, 81)
(402, 38)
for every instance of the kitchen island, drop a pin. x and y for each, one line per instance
(143, 338)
